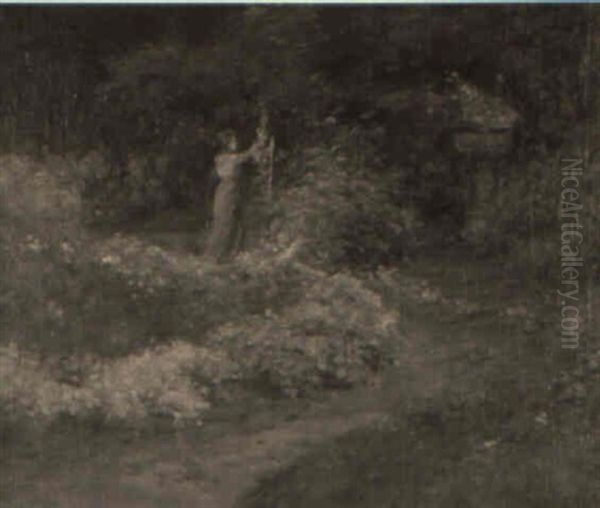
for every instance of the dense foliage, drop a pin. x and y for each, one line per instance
(153, 68)
(365, 106)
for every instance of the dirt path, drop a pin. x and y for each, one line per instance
(233, 464)
(192, 469)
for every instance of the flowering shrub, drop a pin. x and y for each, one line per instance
(190, 295)
(285, 323)
(339, 334)
(154, 382)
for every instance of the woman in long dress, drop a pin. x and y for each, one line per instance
(229, 166)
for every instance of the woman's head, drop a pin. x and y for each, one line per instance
(229, 142)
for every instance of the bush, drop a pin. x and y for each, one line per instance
(520, 218)
(345, 212)
(178, 174)
(338, 335)
(155, 382)
(41, 244)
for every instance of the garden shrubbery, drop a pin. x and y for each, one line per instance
(339, 334)
(119, 329)
(155, 382)
(41, 245)
(265, 321)
(292, 326)
(345, 210)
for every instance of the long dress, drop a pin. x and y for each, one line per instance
(228, 168)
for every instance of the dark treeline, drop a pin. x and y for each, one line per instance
(74, 76)
(164, 81)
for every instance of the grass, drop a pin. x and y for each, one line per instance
(454, 456)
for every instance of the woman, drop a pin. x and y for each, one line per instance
(229, 168)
